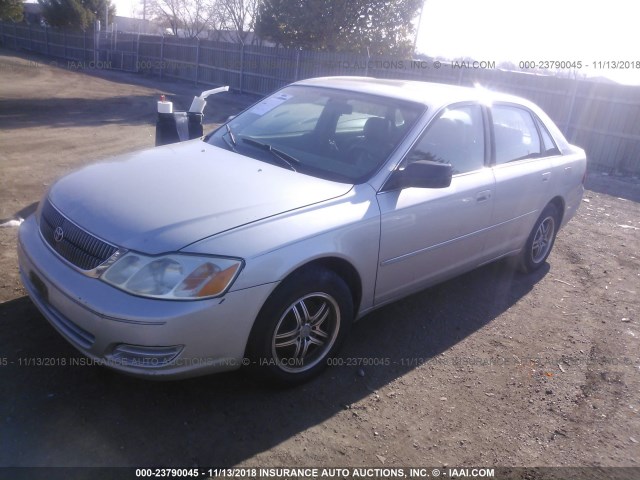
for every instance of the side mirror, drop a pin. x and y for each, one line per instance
(423, 174)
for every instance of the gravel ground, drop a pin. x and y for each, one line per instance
(493, 368)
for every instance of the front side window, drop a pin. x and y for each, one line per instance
(455, 137)
(334, 134)
(515, 133)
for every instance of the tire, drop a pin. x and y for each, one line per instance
(301, 325)
(540, 241)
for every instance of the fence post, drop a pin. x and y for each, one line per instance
(84, 46)
(197, 58)
(366, 65)
(162, 56)
(46, 39)
(64, 42)
(96, 44)
(574, 92)
(138, 52)
(241, 66)
(15, 36)
(30, 39)
(297, 72)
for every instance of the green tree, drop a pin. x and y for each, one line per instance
(76, 14)
(383, 26)
(11, 10)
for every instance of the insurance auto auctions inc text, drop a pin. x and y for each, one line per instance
(304, 473)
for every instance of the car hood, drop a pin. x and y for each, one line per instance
(162, 199)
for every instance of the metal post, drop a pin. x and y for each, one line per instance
(162, 56)
(46, 39)
(366, 68)
(197, 58)
(96, 44)
(241, 67)
(297, 72)
(64, 42)
(138, 52)
(574, 92)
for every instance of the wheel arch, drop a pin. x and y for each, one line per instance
(306, 274)
(341, 267)
(559, 203)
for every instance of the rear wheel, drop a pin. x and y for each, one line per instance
(302, 324)
(541, 240)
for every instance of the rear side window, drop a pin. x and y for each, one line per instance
(515, 133)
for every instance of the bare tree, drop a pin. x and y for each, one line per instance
(187, 18)
(240, 15)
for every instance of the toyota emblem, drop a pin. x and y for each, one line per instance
(58, 234)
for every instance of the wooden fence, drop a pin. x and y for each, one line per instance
(602, 118)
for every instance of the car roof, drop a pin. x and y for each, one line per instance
(431, 94)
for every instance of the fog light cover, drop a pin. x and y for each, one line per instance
(146, 357)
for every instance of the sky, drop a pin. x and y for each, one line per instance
(525, 30)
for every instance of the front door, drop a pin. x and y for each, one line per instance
(430, 234)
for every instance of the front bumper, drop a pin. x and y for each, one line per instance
(135, 335)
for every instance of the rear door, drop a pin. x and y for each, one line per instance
(523, 172)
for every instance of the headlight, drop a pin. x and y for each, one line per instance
(174, 276)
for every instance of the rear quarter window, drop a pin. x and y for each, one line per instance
(549, 146)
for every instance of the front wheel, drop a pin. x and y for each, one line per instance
(302, 324)
(541, 240)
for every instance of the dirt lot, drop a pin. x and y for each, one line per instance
(491, 369)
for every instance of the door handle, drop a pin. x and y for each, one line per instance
(483, 196)
(545, 176)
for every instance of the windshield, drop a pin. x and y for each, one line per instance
(333, 134)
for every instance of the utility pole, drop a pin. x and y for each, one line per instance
(415, 40)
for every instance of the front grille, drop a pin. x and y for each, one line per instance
(72, 243)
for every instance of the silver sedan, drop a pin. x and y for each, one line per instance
(260, 244)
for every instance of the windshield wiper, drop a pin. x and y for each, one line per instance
(285, 158)
(232, 144)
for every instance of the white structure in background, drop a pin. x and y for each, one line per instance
(136, 25)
